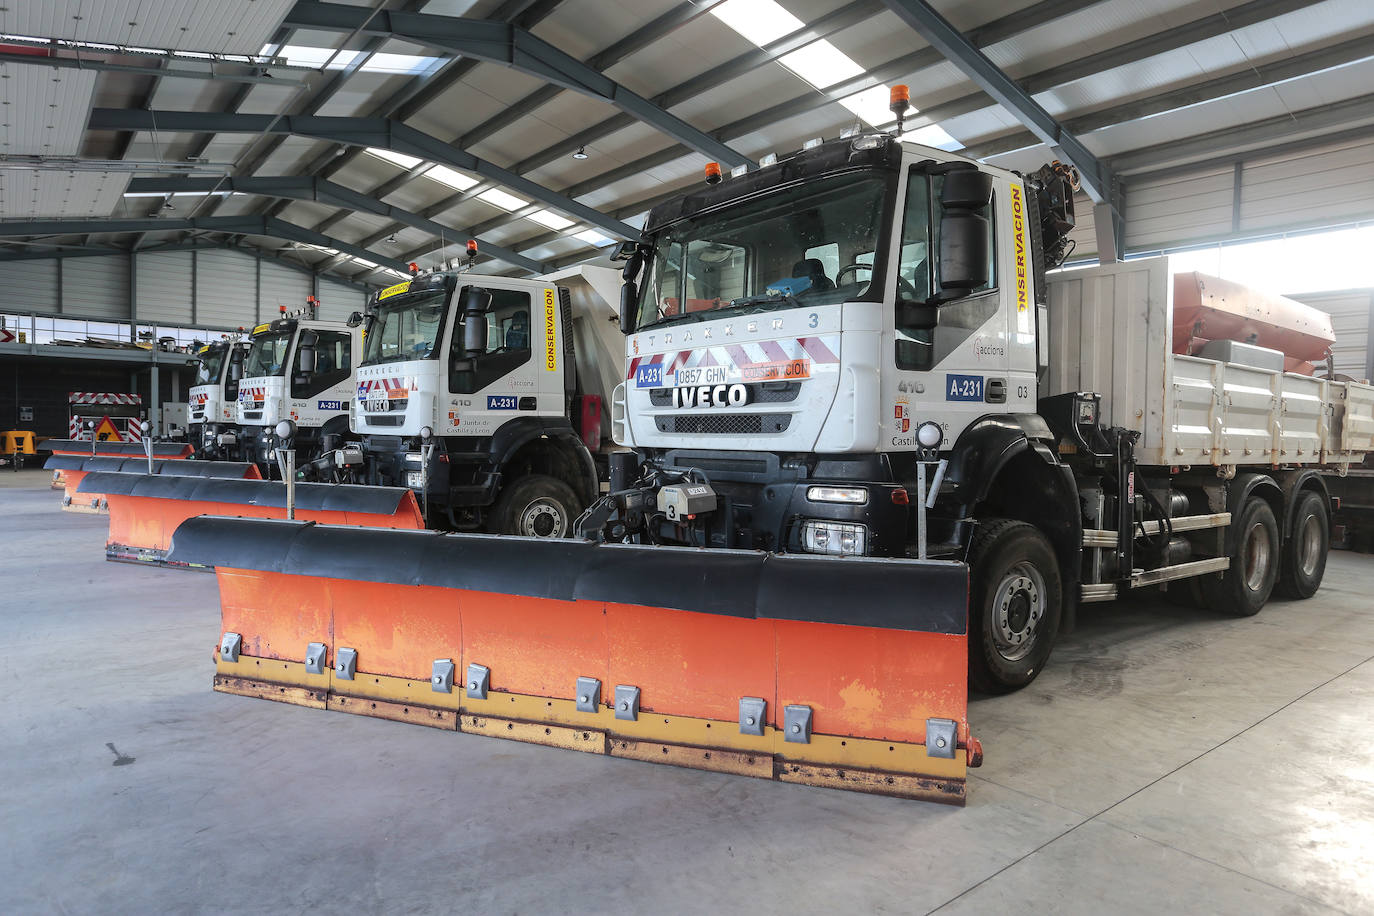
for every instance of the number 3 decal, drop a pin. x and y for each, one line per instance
(814, 320)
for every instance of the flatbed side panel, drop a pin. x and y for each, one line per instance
(1301, 432)
(1353, 410)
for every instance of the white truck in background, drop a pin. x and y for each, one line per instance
(297, 371)
(212, 424)
(484, 394)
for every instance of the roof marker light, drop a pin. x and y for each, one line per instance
(770, 159)
(813, 143)
(713, 173)
(739, 170)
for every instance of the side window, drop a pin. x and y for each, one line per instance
(918, 272)
(510, 333)
(333, 364)
(914, 345)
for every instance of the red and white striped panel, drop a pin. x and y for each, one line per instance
(394, 387)
(132, 433)
(821, 351)
(102, 397)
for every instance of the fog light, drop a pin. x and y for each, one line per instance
(929, 434)
(854, 496)
(835, 538)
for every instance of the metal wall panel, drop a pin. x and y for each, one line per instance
(1179, 209)
(1349, 310)
(96, 287)
(338, 301)
(29, 286)
(163, 287)
(1326, 186)
(226, 289)
(282, 286)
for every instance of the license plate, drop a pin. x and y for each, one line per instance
(414, 479)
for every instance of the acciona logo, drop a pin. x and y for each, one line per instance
(985, 348)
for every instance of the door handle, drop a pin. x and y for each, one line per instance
(996, 392)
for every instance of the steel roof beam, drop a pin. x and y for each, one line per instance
(306, 187)
(508, 45)
(375, 132)
(949, 41)
(72, 63)
(229, 225)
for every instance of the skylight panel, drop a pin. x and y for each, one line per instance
(932, 135)
(499, 198)
(871, 106)
(399, 63)
(551, 220)
(401, 159)
(759, 21)
(592, 237)
(451, 177)
(821, 64)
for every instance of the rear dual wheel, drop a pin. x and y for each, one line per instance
(1016, 598)
(1246, 585)
(1304, 555)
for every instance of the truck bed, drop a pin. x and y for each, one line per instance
(1110, 332)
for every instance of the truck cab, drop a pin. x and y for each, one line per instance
(213, 426)
(465, 394)
(298, 369)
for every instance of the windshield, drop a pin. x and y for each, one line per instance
(267, 354)
(209, 364)
(812, 244)
(406, 328)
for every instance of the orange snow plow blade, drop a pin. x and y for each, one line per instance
(742, 662)
(73, 469)
(145, 509)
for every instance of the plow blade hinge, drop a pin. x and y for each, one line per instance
(314, 658)
(751, 713)
(588, 694)
(941, 735)
(627, 702)
(479, 681)
(229, 647)
(796, 723)
(441, 676)
(346, 664)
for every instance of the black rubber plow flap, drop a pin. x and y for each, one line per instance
(109, 448)
(842, 672)
(177, 468)
(145, 509)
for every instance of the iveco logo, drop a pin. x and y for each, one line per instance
(711, 396)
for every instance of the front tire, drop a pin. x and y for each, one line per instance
(1245, 586)
(1016, 597)
(535, 506)
(1304, 555)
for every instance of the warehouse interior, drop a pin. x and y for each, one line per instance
(183, 177)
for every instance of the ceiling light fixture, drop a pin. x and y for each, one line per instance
(581, 153)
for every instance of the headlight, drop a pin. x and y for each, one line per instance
(836, 538)
(854, 496)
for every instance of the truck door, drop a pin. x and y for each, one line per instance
(325, 392)
(503, 382)
(957, 370)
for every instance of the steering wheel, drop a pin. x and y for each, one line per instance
(902, 283)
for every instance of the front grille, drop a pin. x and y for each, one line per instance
(383, 421)
(724, 424)
(768, 393)
(252, 414)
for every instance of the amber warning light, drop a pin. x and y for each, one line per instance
(472, 248)
(899, 100)
(713, 173)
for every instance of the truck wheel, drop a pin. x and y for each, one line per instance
(536, 506)
(1015, 600)
(1304, 556)
(1244, 588)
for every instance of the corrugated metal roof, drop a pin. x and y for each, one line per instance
(43, 111)
(188, 25)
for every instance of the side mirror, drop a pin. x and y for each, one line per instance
(476, 304)
(355, 319)
(629, 306)
(625, 251)
(963, 233)
(308, 358)
(235, 364)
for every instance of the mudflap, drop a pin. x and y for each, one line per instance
(847, 673)
(145, 509)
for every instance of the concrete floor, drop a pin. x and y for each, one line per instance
(1167, 761)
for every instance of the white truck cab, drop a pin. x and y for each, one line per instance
(299, 369)
(468, 393)
(211, 412)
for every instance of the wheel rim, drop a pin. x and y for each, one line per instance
(543, 518)
(1256, 556)
(1018, 606)
(1310, 545)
